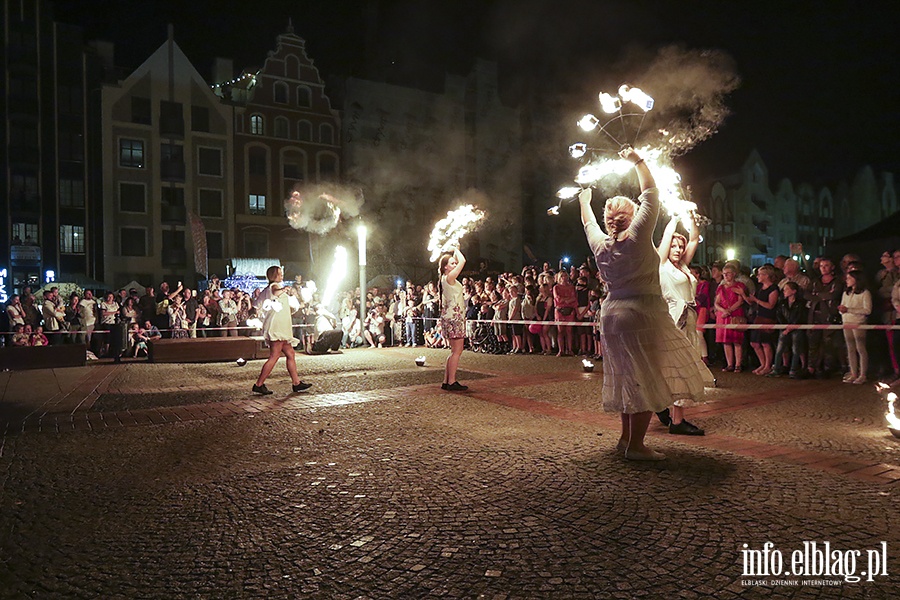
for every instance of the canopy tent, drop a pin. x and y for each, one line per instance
(381, 282)
(869, 243)
(134, 285)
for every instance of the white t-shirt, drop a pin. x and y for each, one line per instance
(88, 308)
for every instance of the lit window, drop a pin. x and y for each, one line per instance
(257, 125)
(257, 204)
(131, 153)
(71, 239)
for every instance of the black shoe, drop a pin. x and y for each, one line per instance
(301, 387)
(664, 417)
(456, 387)
(262, 389)
(685, 428)
(444, 386)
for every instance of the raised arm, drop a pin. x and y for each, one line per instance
(587, 213)
(665, 244)
(460, 263)
(693, 242)
(645, 220)
(645, 177)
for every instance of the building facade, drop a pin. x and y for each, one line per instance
(286, 135)
(50, 208)
(419, 154)
(168, 206)
(759, 222)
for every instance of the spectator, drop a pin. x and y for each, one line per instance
(178, 322)
(190, 310)
(855, 307)
(32, 311)
(792, 273)
(20, 337)
(147, 305)
(139, 339)
(228, 309)
(88, 307)
(824, 299)
(352, 329)
(791, 310)
(128, 313)
(565, 300)
(109, 313)
(73, 319)
(765, 299)
(730, 311)
(38, 338)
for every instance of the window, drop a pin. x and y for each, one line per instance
(25, 233)
(257, 204)
(326, 133)
(24, 191)
(171, 166)
(327, 167)
(71, 146)
(71, 193)
(304, 96)
(210, 203)
(131, 153)
(209, 161)
(140, 110)
(304, 131)
(171, 118)
(280, 92)
(257, 125)
(292, 171)
(71, 239)
(132, 197)
(282, 128)
(133, 241)
(256, 244)
(199, 118)
(173, 196)
(215, 244)
(257, 161)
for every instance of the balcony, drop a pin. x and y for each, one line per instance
(174, 257)
(173, 214)
(761, 222)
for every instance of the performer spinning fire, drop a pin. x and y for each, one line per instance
(453, 315)
(276, 301)
(647, 363)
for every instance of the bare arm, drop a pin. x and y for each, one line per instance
(460, 263)
(587, 213)
(645, 177)
(693, 242)
(665, 244)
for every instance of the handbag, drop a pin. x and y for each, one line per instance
(738, 320)
(566, 310)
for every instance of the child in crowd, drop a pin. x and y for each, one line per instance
(38, 338)
(20, 338)
(855, 308)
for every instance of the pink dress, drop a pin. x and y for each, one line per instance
(727, 296)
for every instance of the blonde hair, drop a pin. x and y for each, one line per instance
(272, 272)
(618, 214)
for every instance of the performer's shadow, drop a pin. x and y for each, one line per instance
(688, 465)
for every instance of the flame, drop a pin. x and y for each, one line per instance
(336, 276)
(553, 210)
(609, 103)
(566, 193)
(892, 418)
(578, 150)
(256, 323)
(589, 122)
(587, 364)
(448, 231)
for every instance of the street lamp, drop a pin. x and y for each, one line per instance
(729, 254)
(361, 232)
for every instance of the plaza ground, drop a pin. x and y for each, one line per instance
(174, 481)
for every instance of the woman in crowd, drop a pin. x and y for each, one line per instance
(178, 321)
(529, 313)
(128, 313)
(500, 302)
(765, 298)
(730, 310)
(514, 313)
(73, 319)
(109, 314)
(228, 310)
(885, 281)
(277, 302)
(243, 312)
(678, 286)
(453, 321)
(855, 307)
(565, 301)
(647, 362)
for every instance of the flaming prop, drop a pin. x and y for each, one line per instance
(891, 415)
(319, 208)
(449, 230)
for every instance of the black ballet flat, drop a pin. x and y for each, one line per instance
(456, 387)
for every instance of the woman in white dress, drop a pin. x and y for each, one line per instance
(647, 362)
(453, 315)
(679, 288)
(277, 302)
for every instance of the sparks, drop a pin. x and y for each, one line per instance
(336, 276)
(566, 193)
(448, 231)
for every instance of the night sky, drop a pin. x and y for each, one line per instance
(819, 94)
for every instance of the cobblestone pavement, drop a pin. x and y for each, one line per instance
(172, 481)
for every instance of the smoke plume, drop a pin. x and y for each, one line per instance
(318, 208)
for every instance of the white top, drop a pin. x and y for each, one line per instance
(453, 304)
(859, 306)
(87, 307)
(678, 288)
(629, 267)
(276, 311)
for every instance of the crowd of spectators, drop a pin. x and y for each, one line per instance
(727, 293)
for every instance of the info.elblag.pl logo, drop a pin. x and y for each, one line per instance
(816, 559)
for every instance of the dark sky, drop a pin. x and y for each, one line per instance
(819, 94)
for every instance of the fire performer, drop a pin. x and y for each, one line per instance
(648, 363)
(276, 301)
(453, 314)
